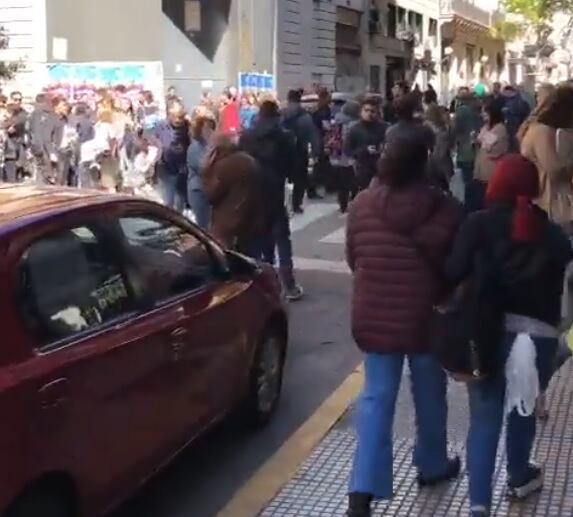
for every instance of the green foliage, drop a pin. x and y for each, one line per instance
(7, 68)
(539, 13)
(508, 31)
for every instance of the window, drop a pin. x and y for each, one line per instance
(375, 79)
(171, 260)
(192, 16)
(70, 283)
(433, 30)
(392, 21)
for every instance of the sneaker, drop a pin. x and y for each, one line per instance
(452, 472)
(532, 484)
(359, 505)
(479, 511)
(294, 293)
(298, 210)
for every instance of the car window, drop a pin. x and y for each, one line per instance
(171, 260)
(70, 283)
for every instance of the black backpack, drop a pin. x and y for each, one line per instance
(292, 126)
(468, 327)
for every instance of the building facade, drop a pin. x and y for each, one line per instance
(470, 52)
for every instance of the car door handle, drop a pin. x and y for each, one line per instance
(178, 343)
(54, 393)
(179, 333)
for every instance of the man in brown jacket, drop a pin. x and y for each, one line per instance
(233, 188)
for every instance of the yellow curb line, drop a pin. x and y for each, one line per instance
(259, 490)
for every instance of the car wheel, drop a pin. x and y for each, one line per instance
(44, 502)
(266, 378)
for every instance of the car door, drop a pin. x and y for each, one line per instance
(99, 372)
(208, 349)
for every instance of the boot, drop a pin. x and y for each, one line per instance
(359, 505)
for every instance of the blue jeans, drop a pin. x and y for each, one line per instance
(487, 400)
(200, 206)
(373, 462)
(279, 238)
(168, 184)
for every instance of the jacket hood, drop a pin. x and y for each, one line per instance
(406, 209)
(267, 127)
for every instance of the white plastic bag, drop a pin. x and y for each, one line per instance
(522, 377)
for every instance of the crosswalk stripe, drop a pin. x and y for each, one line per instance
(313, 264)
(312, 213)
(337, 237)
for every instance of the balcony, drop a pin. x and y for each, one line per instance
(467, 9)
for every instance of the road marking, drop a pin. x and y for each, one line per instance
(311, 214)
(337, 237)
(251, 499)
(314, 264)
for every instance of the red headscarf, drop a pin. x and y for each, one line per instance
(516, 181)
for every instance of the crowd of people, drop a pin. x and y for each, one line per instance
(410, 243)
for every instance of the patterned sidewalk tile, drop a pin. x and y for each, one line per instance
(319, 487)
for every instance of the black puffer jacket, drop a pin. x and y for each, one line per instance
(532, 274)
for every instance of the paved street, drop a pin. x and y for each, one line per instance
(321, 356)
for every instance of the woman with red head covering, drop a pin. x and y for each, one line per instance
(530, 254)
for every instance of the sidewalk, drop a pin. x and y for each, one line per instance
(319, 487)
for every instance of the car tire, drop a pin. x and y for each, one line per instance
(44, 502)
(266, 379)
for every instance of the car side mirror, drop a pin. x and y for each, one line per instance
(240, 264)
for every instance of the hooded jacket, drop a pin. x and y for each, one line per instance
(397, 243)
(297, 120)
(274, 150)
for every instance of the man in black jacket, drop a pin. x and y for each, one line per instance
(364, 142)
(299, 122)
(274, 149)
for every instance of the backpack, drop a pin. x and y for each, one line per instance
(266, 150)
(292, 126)
(468, 327)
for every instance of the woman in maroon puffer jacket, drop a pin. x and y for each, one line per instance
(398, 236)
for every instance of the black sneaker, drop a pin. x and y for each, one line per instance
(359, 505)
(452, 472)
(298, 210)
(532, 484)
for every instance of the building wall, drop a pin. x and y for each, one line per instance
(306, 44)
(24, 22)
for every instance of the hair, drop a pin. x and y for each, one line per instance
(403, 162)
(294, 96)
(555, 111)
(3, 99)
(147, 96)
(269, 109)
(369, 101)
(435, 115)
(16, 93)
(494, 109)
(41, 98)
(57, 100)
(406, 106)
(544, 91)
(199, 124)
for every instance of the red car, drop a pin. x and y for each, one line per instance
(128, 332)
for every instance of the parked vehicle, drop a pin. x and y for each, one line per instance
(128, 332)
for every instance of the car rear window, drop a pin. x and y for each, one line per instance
(69, 284)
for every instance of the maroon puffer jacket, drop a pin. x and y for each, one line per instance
(397, 241)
